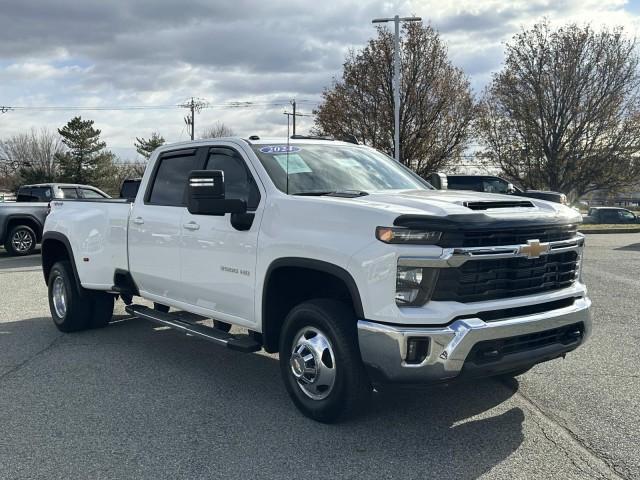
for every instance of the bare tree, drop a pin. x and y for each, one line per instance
(436, 105)
(563, 112)
(120, 171)
(31, 157)
(218, 130)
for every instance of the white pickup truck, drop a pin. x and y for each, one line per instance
(353, 268)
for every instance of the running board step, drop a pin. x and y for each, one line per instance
(240, 343)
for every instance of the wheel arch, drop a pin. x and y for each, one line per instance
(284, 287)
(56, 247)
(31, 221)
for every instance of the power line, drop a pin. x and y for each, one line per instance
(234, 104)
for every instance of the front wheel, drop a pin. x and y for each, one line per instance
(320, 361)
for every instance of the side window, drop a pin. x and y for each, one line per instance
(494, 185)
(238, 182)
(69, 192)
(626, 216)
(88, 193)
(609, 216)
(171, 180)
(24, 195)
(464, 183)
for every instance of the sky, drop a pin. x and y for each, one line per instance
(84, 53)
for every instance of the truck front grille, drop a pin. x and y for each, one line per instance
(515, 236)
(479, 280)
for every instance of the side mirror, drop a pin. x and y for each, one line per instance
(510, 188)
(207, 196)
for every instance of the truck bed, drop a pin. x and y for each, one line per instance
(98, 236)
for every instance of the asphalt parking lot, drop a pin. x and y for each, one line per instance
(136, 401)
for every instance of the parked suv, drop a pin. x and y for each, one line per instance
(21, 222)
(610, 215)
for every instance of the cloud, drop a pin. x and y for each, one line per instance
(154, 52)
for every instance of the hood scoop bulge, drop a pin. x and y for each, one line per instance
(499, 204)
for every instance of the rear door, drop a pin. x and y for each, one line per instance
(219, 252)
(155, 227)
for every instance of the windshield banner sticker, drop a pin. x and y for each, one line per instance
(273, 149)
(296, 163)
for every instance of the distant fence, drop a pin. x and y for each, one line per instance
(617, 202)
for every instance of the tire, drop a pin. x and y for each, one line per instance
(160, 307)
(332, 384)
(20, 241)
(224, 326)
(102, 309)
(71, 307)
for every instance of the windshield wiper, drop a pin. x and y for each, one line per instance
(333, 193)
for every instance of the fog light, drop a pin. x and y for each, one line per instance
(417, 350)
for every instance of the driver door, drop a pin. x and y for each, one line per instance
(219, 255)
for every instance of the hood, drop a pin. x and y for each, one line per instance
(441, 203)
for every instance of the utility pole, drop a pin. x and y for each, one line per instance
(194, 105)
(293, 102)
(294, 115)
(396, 76)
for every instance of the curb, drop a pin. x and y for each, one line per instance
(605, 231)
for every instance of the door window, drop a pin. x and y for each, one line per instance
(464, 183)
(626, 216)
(238, 181)
(609, 216)
(88, 193)
(495, 185)
(171, 180)
(69, 192)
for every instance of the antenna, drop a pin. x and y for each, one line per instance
(287, 189)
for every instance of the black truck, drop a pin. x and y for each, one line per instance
(491, 184)
(21, 221)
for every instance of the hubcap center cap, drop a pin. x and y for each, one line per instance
(297, 365)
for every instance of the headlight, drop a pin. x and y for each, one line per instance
(407, 235)
(414, 285)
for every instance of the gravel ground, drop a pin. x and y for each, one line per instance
(137, 401)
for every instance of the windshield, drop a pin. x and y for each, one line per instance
(323, 168)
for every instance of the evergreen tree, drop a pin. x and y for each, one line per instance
(85, 161)
(146, 147)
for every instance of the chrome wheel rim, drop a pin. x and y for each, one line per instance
(59, 297)
(312, 363)
(22, 241)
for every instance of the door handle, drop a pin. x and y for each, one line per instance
(138, 221)
(191, 226)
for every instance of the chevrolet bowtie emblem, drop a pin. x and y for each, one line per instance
(533, 249)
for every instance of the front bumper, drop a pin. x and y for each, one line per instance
(384, 347)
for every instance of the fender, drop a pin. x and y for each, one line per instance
(311, 264)
(59, 237)
(321, 266)
(21, 216)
